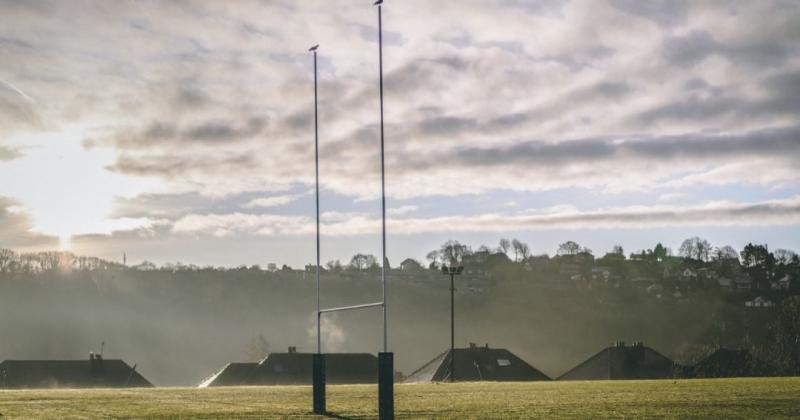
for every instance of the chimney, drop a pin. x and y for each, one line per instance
(95, 364)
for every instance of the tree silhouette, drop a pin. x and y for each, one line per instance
(569, 248)
(505, 246)
(521, 250)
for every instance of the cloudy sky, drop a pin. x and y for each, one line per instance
(183, 130)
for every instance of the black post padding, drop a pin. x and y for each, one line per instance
(386, 386)
(319, 383)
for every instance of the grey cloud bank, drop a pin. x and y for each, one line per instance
(211, 102)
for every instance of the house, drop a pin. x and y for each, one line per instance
(654, 288)
(476, 258)
(293, 368)
(477, 364)
(410, 265)
(782, 284)
(729, 363)
(623, 362)
(569, 269)
(742, 283)
(96, 372)
(759, 302)
(643, 281)
(601, 274)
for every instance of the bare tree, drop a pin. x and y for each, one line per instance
(695, 248)
(333, 265)
(521, 250)
(569, 248)
(725, 252)
(784, 256)
(434, 258)
(362, 262)
(453, 252)
(8, 259)
(505, 246)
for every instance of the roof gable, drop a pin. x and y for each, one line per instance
(108, 373)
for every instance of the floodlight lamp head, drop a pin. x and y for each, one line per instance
(378, 3)
(314, 48)
(459, 270)
(445, 270)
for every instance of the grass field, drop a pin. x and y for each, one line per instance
(717, 398)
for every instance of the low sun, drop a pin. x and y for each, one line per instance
(65, 243)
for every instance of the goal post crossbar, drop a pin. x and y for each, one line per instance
(350, 308)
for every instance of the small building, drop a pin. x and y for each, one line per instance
(477, 364)
(623, 362)
(95, 372)
(411, 265)
(782, 284)
(293, 368)
(759, 302)
(742, 282)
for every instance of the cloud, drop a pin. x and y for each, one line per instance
(766, 213)
(173, 166)
(214, 132)
(696, 46)
(399, 211)
(214, 101)
(267, 202)
(239, 223)
(663, 12)
(17, 110)
(16, 229)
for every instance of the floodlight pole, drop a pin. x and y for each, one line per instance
(452, 272)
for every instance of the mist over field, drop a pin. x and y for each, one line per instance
(180, 324)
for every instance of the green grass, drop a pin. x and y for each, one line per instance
(718, 398)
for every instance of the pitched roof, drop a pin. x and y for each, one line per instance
(231, 375)
(623, 362)
(296, 369)
(478, 364)
(108, 373)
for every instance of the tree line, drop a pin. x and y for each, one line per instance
(760, 262)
